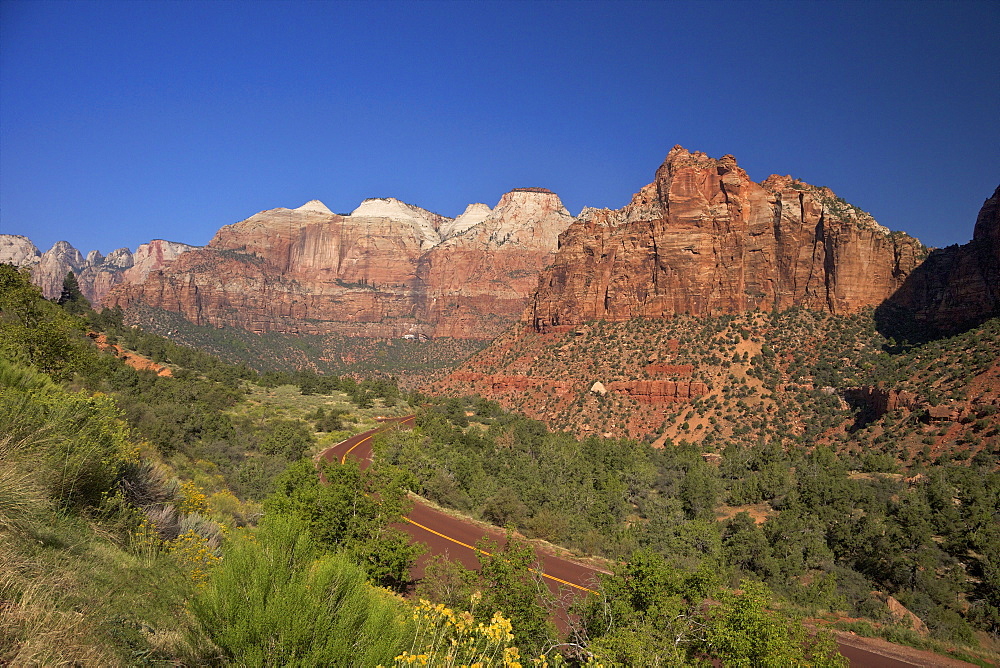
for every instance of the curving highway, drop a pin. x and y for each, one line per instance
(455, 538)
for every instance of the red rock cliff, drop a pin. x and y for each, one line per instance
(955, 288)
(705, 239)
(382, 271)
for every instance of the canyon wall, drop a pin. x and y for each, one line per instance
(704, 239)
(386, 270)
(955, 288)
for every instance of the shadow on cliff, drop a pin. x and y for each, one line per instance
(953, 290)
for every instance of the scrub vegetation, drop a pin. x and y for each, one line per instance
(170, 510)
(825, 536)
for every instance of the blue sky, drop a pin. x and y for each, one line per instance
(123, 122)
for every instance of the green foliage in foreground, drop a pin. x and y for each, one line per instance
(351, 513)
(278, 599)
(71, 446)
(652, 615)
(827, 532)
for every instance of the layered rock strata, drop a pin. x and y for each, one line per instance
(479, 281)
(704, 239)
(388, 269)
(660, 391)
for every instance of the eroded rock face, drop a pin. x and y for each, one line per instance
(382, 271)
(18, 251)
(956, 287)
(475, 284)
(660, 391)
(704, 239)
(95, 274)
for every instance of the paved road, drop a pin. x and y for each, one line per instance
(455, 538)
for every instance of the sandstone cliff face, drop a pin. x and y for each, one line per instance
(147, 257)
(95, 274)
(472, 216)
(956, 287)
(474, 282)
(382, 271)
(294, 270)
(704, 239)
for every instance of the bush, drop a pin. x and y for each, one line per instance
(74, 445)
(277, 599)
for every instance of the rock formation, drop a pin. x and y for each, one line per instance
(704, 239)
(382, 271)
(95, 274)
(18, 251)
(473, 282)
(660, 391)
(955, 288)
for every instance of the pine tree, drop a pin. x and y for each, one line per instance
(71, 298)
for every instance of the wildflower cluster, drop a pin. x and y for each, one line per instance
(446, 639)
(195, 554)
(145, 541)
(193, 500)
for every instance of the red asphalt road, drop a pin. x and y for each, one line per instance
(455, 539)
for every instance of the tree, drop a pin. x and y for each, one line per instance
(509, 582)
(290, 438)
(351, 510)
(741, 631)
(71, 299)
(35, 331)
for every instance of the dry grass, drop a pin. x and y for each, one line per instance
(36, 628)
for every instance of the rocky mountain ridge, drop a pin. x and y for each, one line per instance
(752, 362)
(387, 269)
(704, 239)
(701, 239)
(95, 273)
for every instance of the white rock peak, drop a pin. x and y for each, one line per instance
(472, 216)
(315, 206)
(18, 250)
(425, 222)
(390, 207)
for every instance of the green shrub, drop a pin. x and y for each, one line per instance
(278, 599)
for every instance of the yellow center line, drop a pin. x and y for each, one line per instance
(454, 540)
(489, 554)
(343, 460)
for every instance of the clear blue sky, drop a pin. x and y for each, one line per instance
(122, 122)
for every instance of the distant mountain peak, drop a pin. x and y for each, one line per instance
(316, 206)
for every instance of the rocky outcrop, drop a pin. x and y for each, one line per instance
(472, 216)
(18, 251)
(475, 284)
(874, 402)
(382, 271)
(148, 257)
(96, 274)
(53, 266)
(704, 239)
(660, 391)
(955, 288)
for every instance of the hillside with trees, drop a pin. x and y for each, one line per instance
(151, 517)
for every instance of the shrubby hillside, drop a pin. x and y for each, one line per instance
(172, 512)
